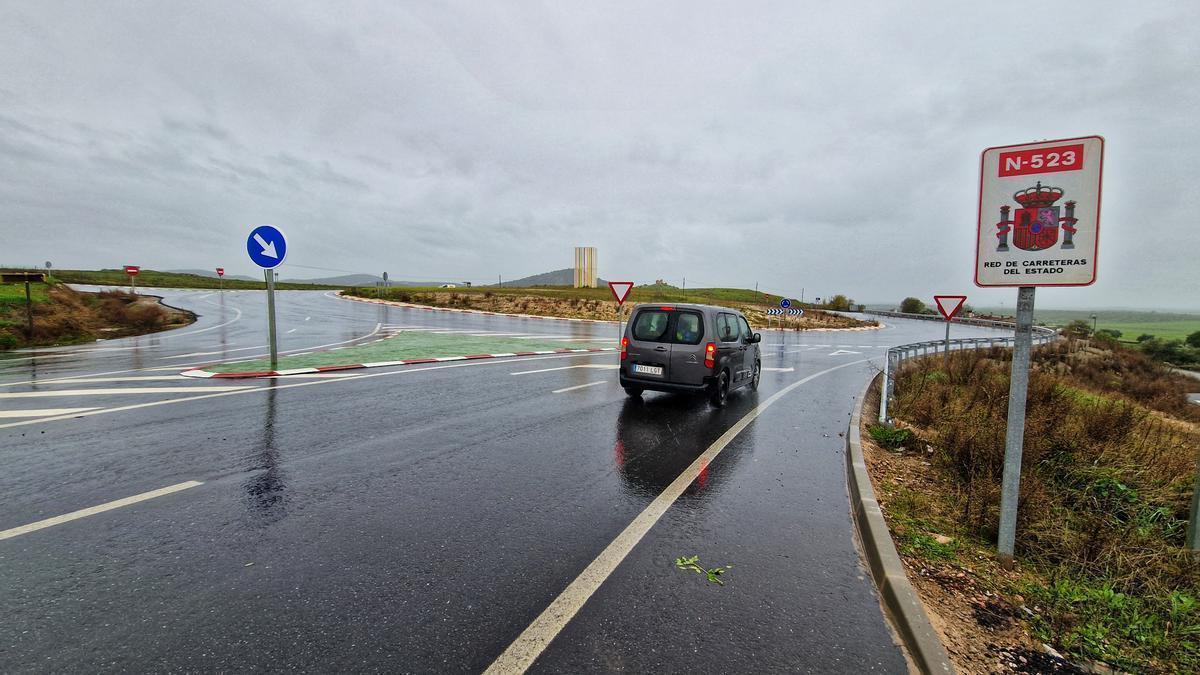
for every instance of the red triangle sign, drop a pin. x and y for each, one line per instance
(949, 305)
(620, 290)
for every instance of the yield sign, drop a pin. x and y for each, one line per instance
(620, 290)
(949, 305)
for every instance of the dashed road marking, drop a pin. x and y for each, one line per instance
(579, 386)
(91, 511)
(110, 392)
(42, 412)
(604, 366)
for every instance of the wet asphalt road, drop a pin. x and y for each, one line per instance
(417, 519)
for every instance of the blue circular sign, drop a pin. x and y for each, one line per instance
(785, 303)
(266, 246)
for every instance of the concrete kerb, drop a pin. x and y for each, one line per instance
(904, 607)
(201, 373)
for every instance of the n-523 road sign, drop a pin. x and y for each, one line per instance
(1039, 213)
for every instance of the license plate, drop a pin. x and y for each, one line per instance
(647, 370)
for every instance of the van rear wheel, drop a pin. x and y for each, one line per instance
(757, 376)
(633, 392)
(720, 390)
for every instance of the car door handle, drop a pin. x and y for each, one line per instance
(660, 349)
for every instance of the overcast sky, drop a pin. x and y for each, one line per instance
(832, 147)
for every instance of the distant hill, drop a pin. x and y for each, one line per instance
(212, 274)
(563, 277)
(364, 280)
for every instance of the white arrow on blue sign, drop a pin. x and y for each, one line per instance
(267, 246)
(785, 303)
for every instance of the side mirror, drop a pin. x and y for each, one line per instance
(756, 338)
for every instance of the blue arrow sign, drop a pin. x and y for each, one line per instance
(267, 246)
(785, 303)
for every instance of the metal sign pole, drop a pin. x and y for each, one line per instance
(1015, 437)
(29, 308)
(947, 343)
(270, 275)
(1193, 528)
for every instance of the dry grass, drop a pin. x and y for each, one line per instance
(1109, 463)
(537, 304)
(67, 317)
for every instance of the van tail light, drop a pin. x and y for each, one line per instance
(624, 348)
(710, 354)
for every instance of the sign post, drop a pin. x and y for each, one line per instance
(949, 305)
(1038, 244)
(784, 304)
(221, 277)
(620, 291)
(267, 247)
(132, 271)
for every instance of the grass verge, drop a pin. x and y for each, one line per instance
(1108, 471)
(409, 345)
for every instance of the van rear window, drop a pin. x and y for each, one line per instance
(688, 329)
(651, 325)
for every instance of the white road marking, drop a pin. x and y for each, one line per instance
(778, 370)
(496, 334)
(42, 412)
(584, 365)
(91, 511)
(843, 351)
(144, 378)
(521, 654)
(250, 390)
(307, 318)
(292, 330)
(109, 392)
(579, 386)
(219, 351)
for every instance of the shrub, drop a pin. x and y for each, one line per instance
(912, 306)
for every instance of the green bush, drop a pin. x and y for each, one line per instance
(891, 438)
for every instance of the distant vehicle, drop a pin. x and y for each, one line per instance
(449, 286)
(689, 348)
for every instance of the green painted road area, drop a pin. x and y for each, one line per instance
(407, 345)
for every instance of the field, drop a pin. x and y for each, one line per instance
(14, 294)
(1166, 330)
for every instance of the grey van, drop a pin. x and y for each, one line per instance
(689, 348)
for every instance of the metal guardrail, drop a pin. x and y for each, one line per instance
(901, 353)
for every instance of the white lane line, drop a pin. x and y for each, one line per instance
(41, 412)
(778, 370)
(91, 511)
(584, 365)
(110, 392)
(521, 654)
(292, 330)
(145, 378)
(290, 352)
(496, 334)
(579, 386)
(251, 390)
(307, 318)
(219, 351)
